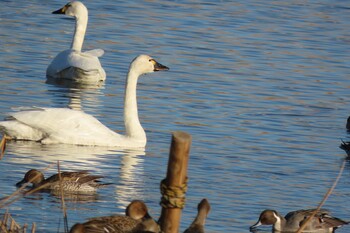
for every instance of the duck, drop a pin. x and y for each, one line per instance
(69, 126)
(197, 226)
(72, 63)
(72, 182)
(136, 220)
(322, 222)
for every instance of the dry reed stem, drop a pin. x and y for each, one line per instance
(3, 222)
(3, 201)
(63, 204)
(2, 146)
(33, 227)
(324, 198)
(9, 225)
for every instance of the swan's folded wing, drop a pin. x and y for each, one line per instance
(70, 58)
(95, 52)
(59, 63)
(59, 125)
(84, 61)
(47, 120)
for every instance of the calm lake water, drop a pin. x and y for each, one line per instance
(262, 87)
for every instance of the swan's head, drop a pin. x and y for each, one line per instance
(75, 9)
(143, 64)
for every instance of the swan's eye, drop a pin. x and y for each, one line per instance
(153, 61)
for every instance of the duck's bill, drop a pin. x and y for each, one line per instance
(21, 183)
(253, 227)
(159, 67)
(60, 11)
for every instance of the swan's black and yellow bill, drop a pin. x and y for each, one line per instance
(62, 10)
(158, 66)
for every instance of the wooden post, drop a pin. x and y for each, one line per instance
(176, 176)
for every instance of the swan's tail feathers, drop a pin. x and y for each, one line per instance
(94, 52)
(19, 131)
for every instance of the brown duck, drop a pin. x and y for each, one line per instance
(197, 225)
(72, 182)
(137, 220)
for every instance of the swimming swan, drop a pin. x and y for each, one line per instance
(64, 125)
(73, 63)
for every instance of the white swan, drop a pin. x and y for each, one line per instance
(73, 63)
(63, 125)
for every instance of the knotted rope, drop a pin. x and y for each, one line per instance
(173, 196)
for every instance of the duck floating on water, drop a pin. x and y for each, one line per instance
(197, 225)
(136, 220)
(72, 182)
(322, 222)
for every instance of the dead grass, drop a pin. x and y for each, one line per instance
(9, 225)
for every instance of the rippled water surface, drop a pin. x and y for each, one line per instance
(262, 87)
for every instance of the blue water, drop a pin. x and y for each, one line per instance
(262, 87)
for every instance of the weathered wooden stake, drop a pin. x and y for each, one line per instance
(176, 176)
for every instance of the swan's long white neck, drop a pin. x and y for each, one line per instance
(80, 29)
(131, 118)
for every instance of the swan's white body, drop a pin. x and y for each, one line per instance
(63, 125)
(73, 63)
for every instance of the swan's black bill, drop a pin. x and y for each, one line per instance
(60, 11)
(159, 67)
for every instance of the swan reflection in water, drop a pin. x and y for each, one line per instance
(76, 93)
(131, 178)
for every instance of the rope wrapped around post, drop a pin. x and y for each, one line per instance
(173, 196)
(173, 188)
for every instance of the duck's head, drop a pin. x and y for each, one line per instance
(137, 210)
(74, 9)
(143, 64)
(204, 206)
(267, 217)
(32, 176)
(77, 228)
